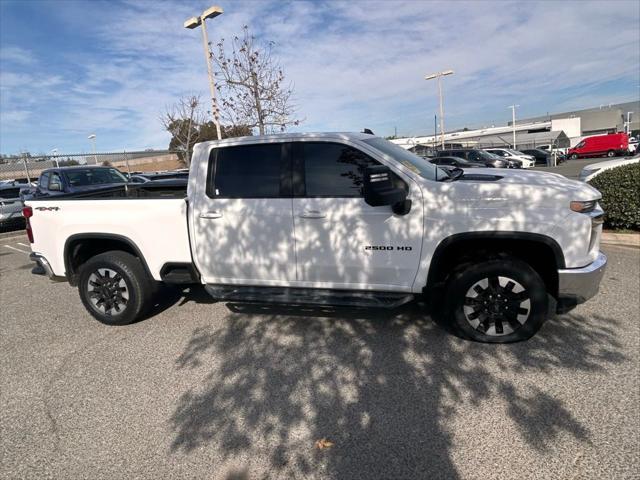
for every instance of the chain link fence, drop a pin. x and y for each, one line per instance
(28, 167)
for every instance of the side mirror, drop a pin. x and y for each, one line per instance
(379, 189)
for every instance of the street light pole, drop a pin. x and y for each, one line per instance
(513, 122)
(192, 23)
(92, 137)
(438, 76)
(55, 158)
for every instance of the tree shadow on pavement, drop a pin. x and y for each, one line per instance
(382, 386)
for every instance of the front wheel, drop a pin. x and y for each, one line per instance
(611, 154)
(114, 287)
(496, 301)
(574, 156)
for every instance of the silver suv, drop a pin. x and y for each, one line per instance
(11, 204)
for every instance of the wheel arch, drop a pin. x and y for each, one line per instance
(540, 251)
(81, 247)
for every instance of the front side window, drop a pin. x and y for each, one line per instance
(55, 180)
(247, 171)
(334, 170)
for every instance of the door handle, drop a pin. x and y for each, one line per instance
(208, 215)
(312, 214)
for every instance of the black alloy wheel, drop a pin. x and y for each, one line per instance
(500, 300)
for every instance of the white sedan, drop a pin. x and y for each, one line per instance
(527, 160)
(595, 169)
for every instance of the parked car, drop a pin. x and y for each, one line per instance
(481, 156)
(541, 157)
(561, 153)
(334, 219)
(591, 171)
(11, 203)
(633, 145)
(456, 162)
(527, 161)
(58, 181)
(601, 145)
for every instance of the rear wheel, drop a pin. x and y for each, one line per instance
(496, 301)
(114, 287)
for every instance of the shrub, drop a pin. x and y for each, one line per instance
(620, 196)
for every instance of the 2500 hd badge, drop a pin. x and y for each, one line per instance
(388, 247)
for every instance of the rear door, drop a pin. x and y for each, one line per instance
(341, 241)
(243, 223)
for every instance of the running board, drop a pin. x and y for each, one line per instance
(307, 296)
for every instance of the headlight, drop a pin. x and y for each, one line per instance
(583, 207)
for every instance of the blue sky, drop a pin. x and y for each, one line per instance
(70, 68)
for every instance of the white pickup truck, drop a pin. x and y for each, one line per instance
(338, 219)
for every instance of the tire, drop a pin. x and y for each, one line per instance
(574, 156)
(118, 303)
(474, 304)
(611, 154)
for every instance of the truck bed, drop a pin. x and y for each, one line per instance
(154, 220)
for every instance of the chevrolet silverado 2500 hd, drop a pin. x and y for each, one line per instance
(341, 219)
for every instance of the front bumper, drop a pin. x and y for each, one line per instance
(577, 285)
(43, 267)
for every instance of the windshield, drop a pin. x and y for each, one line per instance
(488, 156)
(410, 160)
(94, 176)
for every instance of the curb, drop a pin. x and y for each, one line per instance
(621, 239)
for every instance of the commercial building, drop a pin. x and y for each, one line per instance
(561, 130)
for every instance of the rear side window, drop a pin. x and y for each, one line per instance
(247, 171)
(8, 193)
(333, 169)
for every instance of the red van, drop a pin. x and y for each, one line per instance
(601, 145)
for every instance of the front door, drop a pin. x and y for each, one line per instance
(341, 241)
(243, 225)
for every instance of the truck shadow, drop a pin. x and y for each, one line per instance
(382, 386)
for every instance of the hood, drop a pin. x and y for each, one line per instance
(612, 163)
(523, 185)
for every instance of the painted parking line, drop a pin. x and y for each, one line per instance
(17, 249)
(24, 245)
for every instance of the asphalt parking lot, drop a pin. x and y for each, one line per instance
(571, 168)
(224, 391)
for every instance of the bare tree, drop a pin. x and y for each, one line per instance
(182, 120)
(252, 86)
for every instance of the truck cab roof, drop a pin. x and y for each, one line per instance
(281, 137)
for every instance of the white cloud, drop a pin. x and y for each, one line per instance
(16, 55)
